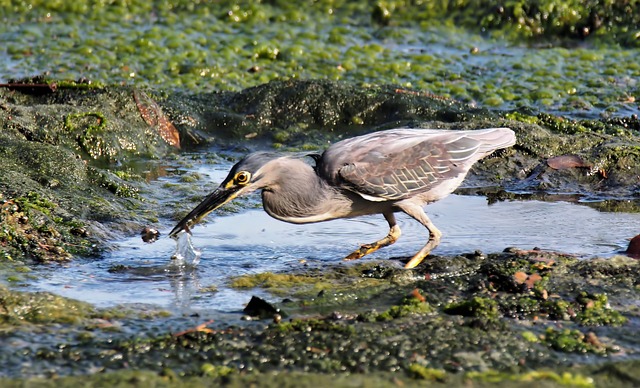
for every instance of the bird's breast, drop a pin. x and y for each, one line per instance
(288, 207)
(316, 208)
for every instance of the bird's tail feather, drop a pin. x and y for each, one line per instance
(492, 139)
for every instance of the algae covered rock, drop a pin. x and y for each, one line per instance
(18, 308)
(73, 145)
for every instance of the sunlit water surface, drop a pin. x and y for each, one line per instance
(251, 242)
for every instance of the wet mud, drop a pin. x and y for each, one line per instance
(503, 317)
(506, 317)
(80, 162)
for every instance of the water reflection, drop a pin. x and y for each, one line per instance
(175, 283)
(251, 242)
(184, 284)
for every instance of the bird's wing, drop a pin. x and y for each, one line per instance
(394, 165)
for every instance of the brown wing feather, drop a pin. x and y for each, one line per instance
(398, 163)
(416, 169)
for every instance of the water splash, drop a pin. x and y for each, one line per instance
(186, 253)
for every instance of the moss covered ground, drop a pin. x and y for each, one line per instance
(482, 327)
(574, 57)
(100, 98)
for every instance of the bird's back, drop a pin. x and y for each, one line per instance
(398, 163)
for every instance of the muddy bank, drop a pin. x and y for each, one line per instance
(162, 86)
(76, 161)
(519, 316)
(72, 155)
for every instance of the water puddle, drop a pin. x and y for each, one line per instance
(250, 242)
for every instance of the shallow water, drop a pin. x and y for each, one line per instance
(250, 242)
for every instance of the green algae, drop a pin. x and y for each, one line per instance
(308, 325)
(421, 372)
(521, 307)
(516, 275)
(79, 85)
(558, 309)
(254, 43)
(114, 183)
(597, 312)
(476, 307)
(564, 125)
(342, 342)
(18, 308)
(514, 300)
(530, 337)
(103, 124)
(410, 305)
(551, 135)
(619, 158)
(89, 136)
(572, 341)
(524, 18)
(213, 371)
(60, 187)
(314, 284)
(31, 230)
(268, 280)
(611, 273)
(490, 378)
(280, 284)
(567, 379)
(33, 201)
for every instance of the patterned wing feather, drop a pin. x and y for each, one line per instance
(399, 163)
(418, 168)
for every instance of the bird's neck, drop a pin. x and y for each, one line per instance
(301, 196)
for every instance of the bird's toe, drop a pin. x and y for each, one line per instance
(362, 251)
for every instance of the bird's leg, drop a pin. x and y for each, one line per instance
(417, 212)
(393, 236)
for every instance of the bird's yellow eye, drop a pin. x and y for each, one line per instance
(242, 177)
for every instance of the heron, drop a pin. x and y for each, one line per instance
(384, 172)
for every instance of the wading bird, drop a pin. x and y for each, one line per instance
(398, 170)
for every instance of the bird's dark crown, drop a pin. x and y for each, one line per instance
(253, 162)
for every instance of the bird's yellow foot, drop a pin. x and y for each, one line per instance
(363, 251)
(392, 237)
(434, 240)
(415, 260)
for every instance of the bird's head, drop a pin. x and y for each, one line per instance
(248, 175)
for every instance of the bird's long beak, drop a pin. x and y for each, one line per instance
(213, 201)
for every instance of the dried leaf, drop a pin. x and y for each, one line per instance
(564, 162)
(200, 328)
(544, 295)
(152, 114)
(592, 339)
(520, 277)
(312, 349)
(416, 294)
(542, 259)
(532, 280)
(603, 173)
(543, 265)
